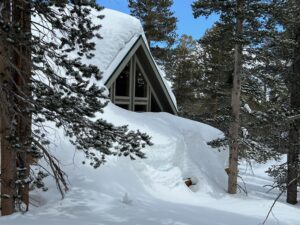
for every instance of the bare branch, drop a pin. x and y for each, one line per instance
(58, 174)
(276, 199)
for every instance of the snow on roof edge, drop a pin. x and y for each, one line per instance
(128, 44)
(118, 59)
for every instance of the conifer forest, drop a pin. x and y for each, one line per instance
(121, 112)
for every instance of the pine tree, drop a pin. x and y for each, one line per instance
(215, 77)
(287, 174)
(286, 49)
(260, 132)
(183, 71)
(251, 25)
(159, 24)
(44, 47)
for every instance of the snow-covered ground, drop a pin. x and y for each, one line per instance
(152, 191)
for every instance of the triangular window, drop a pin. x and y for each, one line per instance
(131, 89)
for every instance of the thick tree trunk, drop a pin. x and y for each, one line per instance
(15, 120)
(8, 155)
(235, 105)
(294, 133)
(22, 16)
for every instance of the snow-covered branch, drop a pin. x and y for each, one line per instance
(295, 117)
(1, 8)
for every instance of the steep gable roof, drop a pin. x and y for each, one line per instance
(121, 33)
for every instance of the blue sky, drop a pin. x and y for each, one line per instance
(183, 11)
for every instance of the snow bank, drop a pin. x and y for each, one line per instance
(179, 151)
(152, 191)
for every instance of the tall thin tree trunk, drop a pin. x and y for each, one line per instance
(294, 133)
(235, 104)
(293, 161)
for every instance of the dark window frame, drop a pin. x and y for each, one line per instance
(133, 100)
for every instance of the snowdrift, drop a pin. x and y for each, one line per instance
(152, 191)
(180, 151)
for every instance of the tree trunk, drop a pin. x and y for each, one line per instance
(293, 161)
(15, 125)
(235, 104)
(294, 136)
(22, 16)
(8, 155)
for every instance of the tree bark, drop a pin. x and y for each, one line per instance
(235, 104)
(15, 125)
(22, 16)
(294, 136)
(8, 155)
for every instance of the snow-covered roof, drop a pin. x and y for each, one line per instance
(119, 33)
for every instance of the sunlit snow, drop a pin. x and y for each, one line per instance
(152, 191)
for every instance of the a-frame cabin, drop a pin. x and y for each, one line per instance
(136, 83)
(134, 80)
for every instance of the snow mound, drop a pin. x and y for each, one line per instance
(180, 151)
(152, 191)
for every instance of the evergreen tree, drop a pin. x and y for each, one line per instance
(44, 47)
(202, 82)
(215, 77)
(183, 73)
(251, 25)
(159, 24)
(257, 119)
(283, 58)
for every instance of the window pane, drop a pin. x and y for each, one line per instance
(122, 82)
(154, 106)
(140, 83)
(140, 108)
(124, 106)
